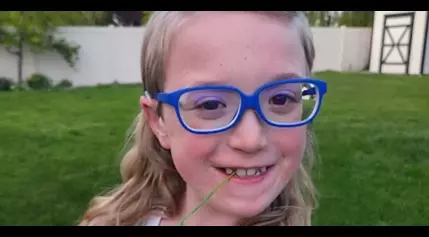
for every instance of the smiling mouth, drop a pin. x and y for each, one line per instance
(245, 172)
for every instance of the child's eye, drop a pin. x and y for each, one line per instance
(281, 99)
(210, 105)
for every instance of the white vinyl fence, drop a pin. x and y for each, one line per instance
(110, 55)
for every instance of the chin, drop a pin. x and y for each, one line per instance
(244, 209)
(250, 211)
(248, 200)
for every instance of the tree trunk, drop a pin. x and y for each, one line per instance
(20, 59)
(20, 50)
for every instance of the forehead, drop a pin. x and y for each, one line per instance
(235, 48)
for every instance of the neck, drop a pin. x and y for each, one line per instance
(206, 215)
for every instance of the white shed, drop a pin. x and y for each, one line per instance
(400, 42)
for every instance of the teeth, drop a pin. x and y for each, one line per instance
(241, 172)
(246, 172)
(250, 172)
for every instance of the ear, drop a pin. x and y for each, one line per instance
(155, 122)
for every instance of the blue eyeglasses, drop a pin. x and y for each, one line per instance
(209, 109)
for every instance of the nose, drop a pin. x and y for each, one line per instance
(248, 135)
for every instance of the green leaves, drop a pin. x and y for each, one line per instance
(356, 18)
(37, 31)
(146, 16)
(340, 18)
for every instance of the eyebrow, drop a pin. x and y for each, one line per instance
(279, 76)
(207, 83)
(287, 75)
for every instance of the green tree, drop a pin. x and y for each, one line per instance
(356, 18)
(97, 18)
(312, 17)
(36, 30)
(322, 18)
(146, 16)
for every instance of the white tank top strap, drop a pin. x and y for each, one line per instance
(153, 221)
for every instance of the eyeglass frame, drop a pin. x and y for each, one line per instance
(246, 102)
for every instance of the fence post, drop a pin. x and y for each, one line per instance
(343, 30)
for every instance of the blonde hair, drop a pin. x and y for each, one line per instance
(150, 182)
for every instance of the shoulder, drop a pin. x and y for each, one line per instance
(151, 221)
(97, 221)
(100, 220)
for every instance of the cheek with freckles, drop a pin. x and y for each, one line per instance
(191, 157)
(290, 142)
(191, 153)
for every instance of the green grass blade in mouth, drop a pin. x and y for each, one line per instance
(182, 223)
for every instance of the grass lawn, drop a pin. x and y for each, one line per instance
(58, 149)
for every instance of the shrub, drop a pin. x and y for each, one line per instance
(38, 81)
(64, 84)
(6, 84)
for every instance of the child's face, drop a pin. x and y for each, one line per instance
(243, 50)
